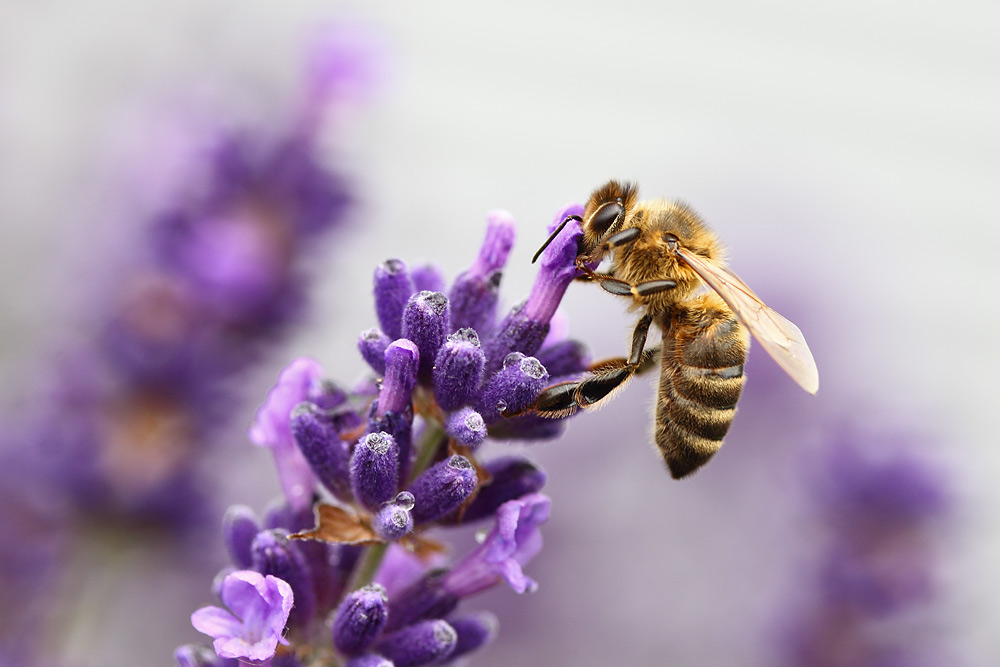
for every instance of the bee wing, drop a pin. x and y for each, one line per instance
(782, 339)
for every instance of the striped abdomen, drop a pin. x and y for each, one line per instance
(704, 348)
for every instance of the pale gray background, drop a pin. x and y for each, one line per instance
(846, 152)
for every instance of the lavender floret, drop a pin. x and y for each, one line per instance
(467, 427)
(442, 488)
(372, 345)
(512, 477)
(394, 520)
(239, 528)
(359, 619)
(475, 292)
(474, 632)
(375, 469)
(458, 370)
(422, 643)
(513, 388)
(427, 322)
(316, 435)
(393, 287)
(274, 554)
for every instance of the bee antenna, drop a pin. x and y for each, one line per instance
(554, 234)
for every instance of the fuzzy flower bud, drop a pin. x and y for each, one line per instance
(393, 520)
(419, 644)
(458, 370)
(393, 287)
(474, 632)
(239, 527)
(375, 469)
(359, 619)
(372, 345)
(427, 322)
(274, 554)
(316, 435)
(512, 478)
(442, 488)
(402, 359)
(474, 294)
(513, 387)
(467, 427)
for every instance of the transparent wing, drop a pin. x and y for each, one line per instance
(782, 339)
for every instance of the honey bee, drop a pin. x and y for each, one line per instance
(663, 257)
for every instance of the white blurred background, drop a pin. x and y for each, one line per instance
(847, 153)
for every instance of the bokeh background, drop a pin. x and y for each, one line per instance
(846, 153)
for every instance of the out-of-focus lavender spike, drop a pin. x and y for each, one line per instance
(474, 631)
(359, 619)
(316, 435)
(467, 427)
(475, 292)
(393, 287)
(427, 322)
(372, 345)
(239, 528)
(458, 370)
(375, 469)
(274, 554)
(512, 388)
(393, 520)
(512, 478)
(427, 278)
(442, 488)
(422, 643)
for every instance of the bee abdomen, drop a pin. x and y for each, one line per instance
(701, 381)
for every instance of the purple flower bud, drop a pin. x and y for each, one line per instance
(474, 294)
(393, 288)
(326, 394)
(274, 554)
(328, 455)
(425, 598)
(427, 278)
(401, 362)
(458, 369)
(513, 387)
(467, 427)
(427, 322)
(474, 632)
(512, 478)
(527, 324)
(400, 426)
(372, 345)
(442, 488)
(359, 619)
(393, 520)
(375, 469)
(369, 660)
(422, 643)
(239, 527)
(567, 357)
(259, 607)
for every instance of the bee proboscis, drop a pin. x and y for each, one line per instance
(663, 257)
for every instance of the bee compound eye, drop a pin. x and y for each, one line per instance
(605, 216)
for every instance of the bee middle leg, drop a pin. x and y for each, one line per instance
(608, 377)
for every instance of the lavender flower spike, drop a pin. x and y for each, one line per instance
(271, 428)
(474, 294)
(359, 619)
(258, 610)
(526, 325)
